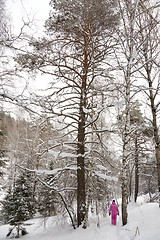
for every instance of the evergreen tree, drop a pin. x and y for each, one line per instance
(47, 202)
(3, 135)
(47, 197)
(139, 137)
(18, 205)
(2, 163)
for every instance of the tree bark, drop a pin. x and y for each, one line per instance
(136, 171)
(81, 195)
(126, 150)
(81, 205)
(155, 128)
(124, 191)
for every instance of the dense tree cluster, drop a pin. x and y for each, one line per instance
(93, 134)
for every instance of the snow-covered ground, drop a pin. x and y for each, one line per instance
(143, 224)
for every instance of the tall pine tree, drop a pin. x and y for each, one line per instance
(78, 43)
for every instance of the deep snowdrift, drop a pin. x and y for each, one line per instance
(143, 224)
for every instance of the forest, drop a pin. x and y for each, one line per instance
(80, 108)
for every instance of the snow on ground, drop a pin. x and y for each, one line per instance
(143, 224)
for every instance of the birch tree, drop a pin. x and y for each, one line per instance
(148, 23)
(129, 64)
(127, 59)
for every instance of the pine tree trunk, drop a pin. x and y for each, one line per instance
(81, 197)
(80, 185)
(18, 229)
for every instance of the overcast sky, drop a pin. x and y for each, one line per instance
(37, 12)
(28, 10)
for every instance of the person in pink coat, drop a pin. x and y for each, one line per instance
(114, 211)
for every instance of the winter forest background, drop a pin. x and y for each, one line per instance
(80, 105)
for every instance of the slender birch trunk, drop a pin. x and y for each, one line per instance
(136, 170)
(128, 11)
(126, 153)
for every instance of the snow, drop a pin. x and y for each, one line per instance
(70, 155)
(101, 167)
(56, 170)
(85, 110)
(143, 224)
(105, 177)
(68, 147)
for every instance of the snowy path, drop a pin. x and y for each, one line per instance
(146, 217)
(109, 231)
(58, 232)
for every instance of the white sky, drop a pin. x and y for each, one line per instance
(35, 11)
(28, 10)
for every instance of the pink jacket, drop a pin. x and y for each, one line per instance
(114, 209)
